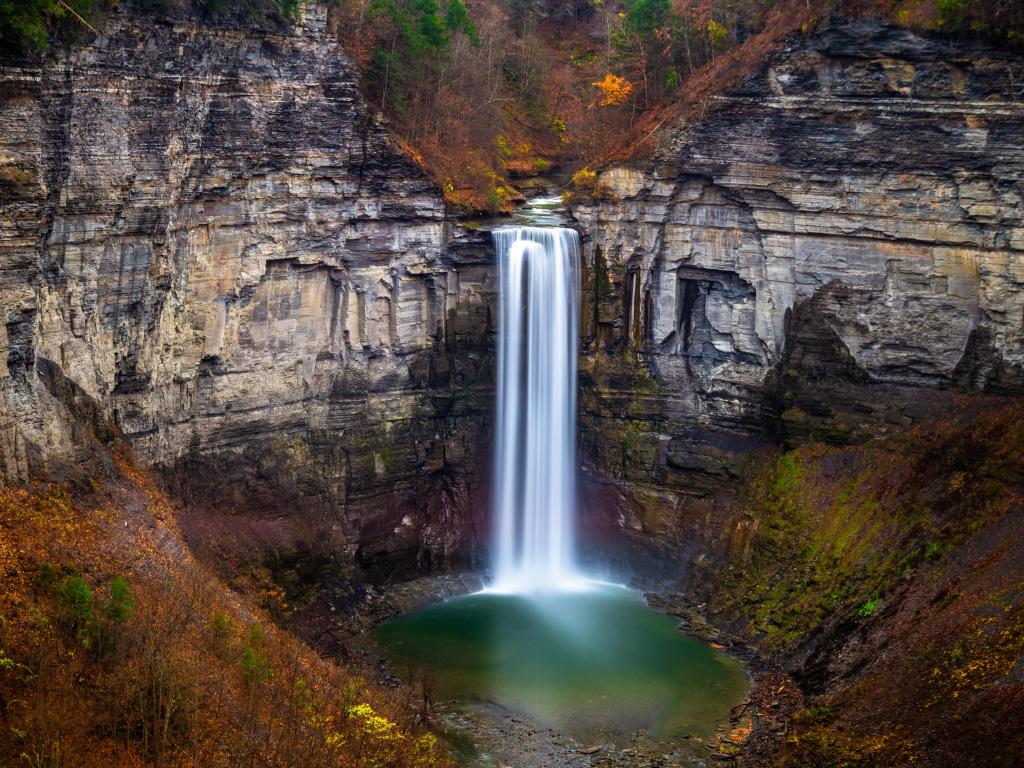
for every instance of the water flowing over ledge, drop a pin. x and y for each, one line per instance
(535, 460)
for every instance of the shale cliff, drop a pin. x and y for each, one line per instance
(209, 244)
(830, 253)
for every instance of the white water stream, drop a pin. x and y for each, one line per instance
(535, 463)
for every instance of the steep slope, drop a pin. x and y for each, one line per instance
(211, 246)
(886, 579)
(118, 648)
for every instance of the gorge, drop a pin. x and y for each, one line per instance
(800, 369)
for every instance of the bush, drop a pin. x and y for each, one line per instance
(254, 664)
(77, 610)
(122, 601)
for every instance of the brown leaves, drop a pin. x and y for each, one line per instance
(193, 675)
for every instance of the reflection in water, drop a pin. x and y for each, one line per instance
(593, 664)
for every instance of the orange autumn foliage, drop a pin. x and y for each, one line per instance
(613, 89)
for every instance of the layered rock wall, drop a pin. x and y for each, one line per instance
(211, 244)
(831, 252)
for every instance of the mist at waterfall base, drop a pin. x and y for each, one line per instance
(588, 659)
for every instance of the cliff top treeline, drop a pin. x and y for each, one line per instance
(490, 91)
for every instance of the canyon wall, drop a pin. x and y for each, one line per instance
(210, 245)
(833, 251)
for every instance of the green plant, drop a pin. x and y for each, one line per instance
(869, 608)
(29, 24)
(582, 58)
(121, 603)
(504, 149)
(221, 626)
(716, 33)
(47, 575)
(291, 10)
(951, 14)
(456, 19)
(78, 611)
(254, 663)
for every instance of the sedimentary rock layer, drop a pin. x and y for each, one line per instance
(830, 252)
(210, 244)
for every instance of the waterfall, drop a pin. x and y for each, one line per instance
(535, 462)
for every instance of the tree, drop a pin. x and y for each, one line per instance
(28, 24)
(614, 90)
(456, 19)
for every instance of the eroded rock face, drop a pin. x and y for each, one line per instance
(831, 252)
(210, 243)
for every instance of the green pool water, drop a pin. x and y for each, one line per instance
(592, 664)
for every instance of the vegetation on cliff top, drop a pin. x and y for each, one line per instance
(485, 92)
(117, 648)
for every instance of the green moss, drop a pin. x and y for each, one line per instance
(836, 527)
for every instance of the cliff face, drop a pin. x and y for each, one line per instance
(830, 253)
(210, 244)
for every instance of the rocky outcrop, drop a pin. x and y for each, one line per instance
(830, 253)
(209, 244)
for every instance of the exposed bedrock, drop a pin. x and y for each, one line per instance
(833, 252)
(210, 244)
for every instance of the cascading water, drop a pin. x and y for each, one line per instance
(590, 660)
(536, 432)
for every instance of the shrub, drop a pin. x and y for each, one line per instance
(951, 14)
(78, 611)
(254, 663)
(122, 601)
(869, 608)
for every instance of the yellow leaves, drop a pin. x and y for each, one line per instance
(584, 178)
(424, 751)
(360, 710)
(586, 185)
(716, 32)
(426, 742)
(614, 90)
(375, 726)
(334, 740)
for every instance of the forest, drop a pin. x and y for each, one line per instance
(489, 92)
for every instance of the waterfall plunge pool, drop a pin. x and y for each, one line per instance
(597, 664)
